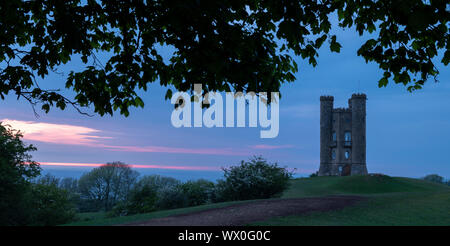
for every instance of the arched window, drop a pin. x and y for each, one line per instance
(347, 154)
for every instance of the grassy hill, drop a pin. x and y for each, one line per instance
(358, 185)
(390, 201)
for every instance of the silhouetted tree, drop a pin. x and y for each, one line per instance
(108, 184)
(245, 45)
(70, 184)
(48, 179)
(16, 171)
(157, 182)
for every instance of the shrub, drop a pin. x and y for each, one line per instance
(50, 205)
(315, 174)
(198, 192)
(142, 199)
(171, 197)
(434, 178)
(254, 179)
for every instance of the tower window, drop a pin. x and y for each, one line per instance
(348, 136)
(347, 154)
(333, 154)
(334, 136)
(347, 139)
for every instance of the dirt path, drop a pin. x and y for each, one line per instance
(242, 214)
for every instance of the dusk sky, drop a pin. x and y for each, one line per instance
(408, 134)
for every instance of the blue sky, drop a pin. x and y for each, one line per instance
(408, 134)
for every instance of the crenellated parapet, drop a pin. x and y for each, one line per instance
(359, 95)
(326, 98)
(342, 110)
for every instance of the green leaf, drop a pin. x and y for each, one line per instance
(168, 94)
(334, 45)
(46, 107)
(383, 82)
(138, 101)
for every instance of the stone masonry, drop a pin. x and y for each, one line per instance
(343, 137)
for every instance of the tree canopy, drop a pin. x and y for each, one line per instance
(16, 171)
(108, 184)
(245, 45)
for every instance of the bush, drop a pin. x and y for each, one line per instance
(434, 178)
(198, 192)
(50, 205)
(315, 174)
(142, 199)
(171, 197)
(255, 179)
(157, 192)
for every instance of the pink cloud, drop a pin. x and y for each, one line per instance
(55, 133)
(270, 147)
(74, 164)
(163, 149)
(85, 136)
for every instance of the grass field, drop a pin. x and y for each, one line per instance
(101, 219)
(390, 201)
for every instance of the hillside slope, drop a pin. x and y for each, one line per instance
(391, 201)
(388, 201)
(361, 185)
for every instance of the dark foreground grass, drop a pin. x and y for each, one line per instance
(390, 201)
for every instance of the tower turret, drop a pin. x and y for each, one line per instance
(358, 108)
(326, 114)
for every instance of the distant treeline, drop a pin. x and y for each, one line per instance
(119, 190)
(436, 179)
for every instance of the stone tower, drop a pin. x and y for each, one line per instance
(343, 137)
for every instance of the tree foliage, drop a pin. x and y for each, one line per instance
(107, 184)
(198, 192)
(157, 182)
(23, 202)
(245, 45)
(16, 171)
(50, 205)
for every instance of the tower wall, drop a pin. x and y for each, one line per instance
(326, 115)
(358, 109)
